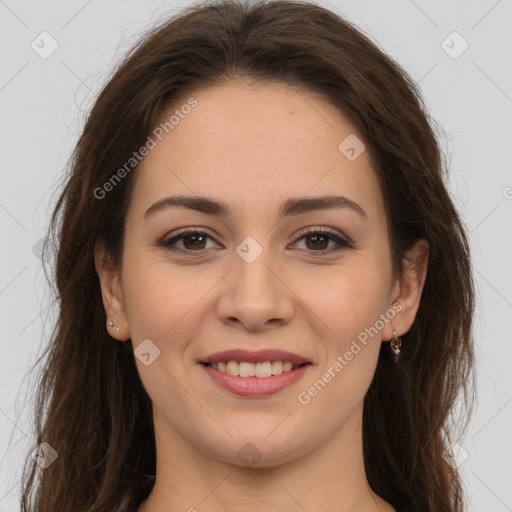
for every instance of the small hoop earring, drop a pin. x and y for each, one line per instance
(396, 344)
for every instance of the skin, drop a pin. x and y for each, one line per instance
(253, 146)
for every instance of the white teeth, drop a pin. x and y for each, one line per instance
(287, 366)
(260, 370)
(232, 368)
(246, 369)
(263, 370)
(277, 367)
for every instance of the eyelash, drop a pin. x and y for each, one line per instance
(342, 242)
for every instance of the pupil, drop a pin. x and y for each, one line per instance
(316, 237)
(187, 238)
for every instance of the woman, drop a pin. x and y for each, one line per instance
(265, 289)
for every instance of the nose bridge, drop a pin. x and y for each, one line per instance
(252, 274)
(255, 294)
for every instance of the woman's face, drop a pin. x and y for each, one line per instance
(250, 280)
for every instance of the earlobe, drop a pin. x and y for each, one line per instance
(111, 293)
(409, 287)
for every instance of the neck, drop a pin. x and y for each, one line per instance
(331, 477)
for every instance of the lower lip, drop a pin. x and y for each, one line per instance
(255, 386)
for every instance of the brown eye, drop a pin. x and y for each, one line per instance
(317, 240)
(192, 241)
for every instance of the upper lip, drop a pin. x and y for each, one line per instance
(259, 356)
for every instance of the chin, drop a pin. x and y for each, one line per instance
(258, 451)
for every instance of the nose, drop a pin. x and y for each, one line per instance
(255, 294)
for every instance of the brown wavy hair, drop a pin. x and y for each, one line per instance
(91, 405)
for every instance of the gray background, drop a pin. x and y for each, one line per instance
(43, 101)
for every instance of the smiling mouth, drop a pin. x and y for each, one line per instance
(260, 370)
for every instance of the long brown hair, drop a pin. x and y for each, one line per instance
(91, 405)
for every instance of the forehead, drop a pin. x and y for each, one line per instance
(253, 146)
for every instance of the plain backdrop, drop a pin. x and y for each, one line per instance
(460, 52)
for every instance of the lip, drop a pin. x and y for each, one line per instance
(255, 386)
(259, 356)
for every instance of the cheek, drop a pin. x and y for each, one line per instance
(167, 302)
(352, 310)
(357, 296)
(155, 299)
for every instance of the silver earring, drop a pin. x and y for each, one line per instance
(396, 344)
(111, 323)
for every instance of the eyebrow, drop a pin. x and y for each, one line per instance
(292, 206)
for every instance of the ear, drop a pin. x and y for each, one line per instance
(407, 290)
(111, 293)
